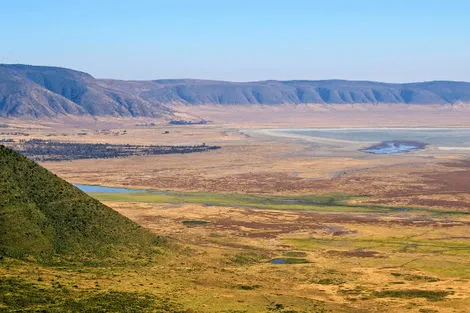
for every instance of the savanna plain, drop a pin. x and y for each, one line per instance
(270, 222)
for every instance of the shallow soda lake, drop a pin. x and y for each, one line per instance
(390, 140)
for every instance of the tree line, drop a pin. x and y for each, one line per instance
(52, 150)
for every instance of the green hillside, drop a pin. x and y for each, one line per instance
(44, 218)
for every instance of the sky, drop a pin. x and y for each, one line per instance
(382, 40)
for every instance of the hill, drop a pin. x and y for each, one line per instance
(196, 92)
(46, 218)
(37, 91)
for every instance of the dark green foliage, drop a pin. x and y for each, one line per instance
(275, 307)
(194, 222)
(52, 150)
(280, 308)
(358, 290)
(16, 294)
(413, 277)
(413, 293)
(247, 258)
(248, 287)
(126, 302)
(44, 217)
(295, 254)
(295, 261)
(330, 281)
(21, 296)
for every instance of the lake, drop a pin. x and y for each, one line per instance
(96, 188)
(388, 140)
(390, 147)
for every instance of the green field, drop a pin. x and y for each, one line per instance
(319, 203)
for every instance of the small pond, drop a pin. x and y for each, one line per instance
(288, 261)
(394, 146)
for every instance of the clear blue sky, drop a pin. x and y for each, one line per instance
(386, 40)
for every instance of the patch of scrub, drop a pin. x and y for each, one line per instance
(430, 295)
(248, 287)
(295, 254)
(357, 253)
(415, 277)
(394, 146)
(248, 258)
(194, 222)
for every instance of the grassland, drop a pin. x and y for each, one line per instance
(376, 234)
(317, 203)
(328, 202)
(336, 261)
(342, 260)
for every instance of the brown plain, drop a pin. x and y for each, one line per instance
(252, 161)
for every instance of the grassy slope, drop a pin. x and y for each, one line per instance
(46, 218)
(56, 242)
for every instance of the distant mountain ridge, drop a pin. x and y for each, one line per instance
(39, 91)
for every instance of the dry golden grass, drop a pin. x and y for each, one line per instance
(223, 266)
(352, 258)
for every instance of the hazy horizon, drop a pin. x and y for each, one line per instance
(238, 81)
(242, 41)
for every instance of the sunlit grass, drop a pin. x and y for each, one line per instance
(396, 244)
(320, 203)
(444, 258)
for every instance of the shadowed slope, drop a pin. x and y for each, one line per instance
(38, 91)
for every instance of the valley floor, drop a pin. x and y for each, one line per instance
(334, 257)
(354, 232)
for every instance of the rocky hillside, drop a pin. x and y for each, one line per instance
(35, 91)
